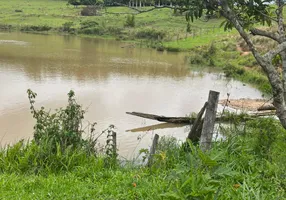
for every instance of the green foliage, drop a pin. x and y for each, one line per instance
(231, 71)
(247, 12)
(36, 28)
(5, 27)
(88, 24)
(61, 130)
(89, 11)
(225, 56)
(151, 34)
(266, 132)
(91, 27)
(130, 21)
(67, 27)
(245, 165)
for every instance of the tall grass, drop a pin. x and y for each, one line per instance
(244, 166)
(248, 164)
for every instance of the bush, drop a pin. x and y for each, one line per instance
(130, 21)
(36, 28)
(89, 11)
(197, 59)
(62, 129)
(114, 30)
(232, 71)
(150, 34)
(92, 31)
(66, 27)
(88, 24)
(5, 27)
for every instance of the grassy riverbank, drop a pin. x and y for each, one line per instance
(249, 164)
(234, 63)
(59, 164)
(157, 28)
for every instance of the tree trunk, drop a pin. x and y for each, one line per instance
(283, 58)
(264, 61)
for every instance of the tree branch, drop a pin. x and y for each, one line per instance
(273, 36)
(280, 21)
(270, 54)
(232, 17)
(267, 16)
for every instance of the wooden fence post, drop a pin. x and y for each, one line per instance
(209, 121)
(114, 138)
(195, 132)
(152, 150)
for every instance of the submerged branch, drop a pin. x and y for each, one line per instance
(191, 120)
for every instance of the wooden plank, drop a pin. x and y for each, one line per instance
(209, 121)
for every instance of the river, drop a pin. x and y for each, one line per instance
(109, 78)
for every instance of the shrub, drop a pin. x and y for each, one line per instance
(114, 30)
(232, 71)
(150, 34)
(62, 129)
(66, 27)
(88, 24)
(36, 28)
(92, 31)
(89, 11)
(197, 59)
(173, 49)
(130, 21)
(5, 27)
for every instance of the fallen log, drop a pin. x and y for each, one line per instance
(266, 107)
(191, 120)
(174, 120)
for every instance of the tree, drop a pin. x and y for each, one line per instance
(244, 16)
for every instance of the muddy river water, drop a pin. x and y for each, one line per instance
(109, 79)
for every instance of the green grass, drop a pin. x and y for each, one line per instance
(54, 14)
(59, 164)
(249, 164)
(223, 55)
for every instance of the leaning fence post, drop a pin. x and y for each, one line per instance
(195, 132)
(209, 121)
(153, 149)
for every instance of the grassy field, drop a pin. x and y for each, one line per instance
(150, 25)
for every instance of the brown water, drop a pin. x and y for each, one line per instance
(109, 78)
